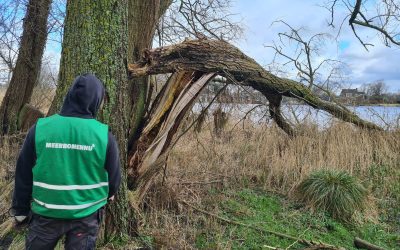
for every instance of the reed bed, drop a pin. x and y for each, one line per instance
(263, 157)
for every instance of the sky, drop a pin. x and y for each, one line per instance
(380, 63)
(257, 16)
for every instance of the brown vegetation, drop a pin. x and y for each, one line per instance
(261, 157)
(246, 156)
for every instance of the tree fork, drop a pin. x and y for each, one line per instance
(225, 59)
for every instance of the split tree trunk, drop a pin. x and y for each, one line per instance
(95, 41)
(226, 60)
(27, 68)
(142, 21)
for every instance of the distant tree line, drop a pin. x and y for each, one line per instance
(377, 92)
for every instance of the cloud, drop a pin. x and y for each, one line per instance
(380, 63)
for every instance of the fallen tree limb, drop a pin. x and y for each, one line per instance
(304, 242)
(363, 244)
(212, 56)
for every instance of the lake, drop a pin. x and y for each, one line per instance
(386, 117)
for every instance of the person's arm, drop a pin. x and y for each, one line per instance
(23, 176)
(112, 166)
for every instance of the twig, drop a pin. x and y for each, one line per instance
(282, 235)
(294, 243)
(194, 122)
(198, 182)
(273, 248)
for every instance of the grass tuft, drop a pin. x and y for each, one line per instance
(335, 192)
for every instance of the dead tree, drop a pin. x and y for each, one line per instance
(193, 63)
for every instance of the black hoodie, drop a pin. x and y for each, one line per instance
(83, 100)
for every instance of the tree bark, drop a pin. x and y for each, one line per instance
(142, 21)
(27, 68)
(95, 41)
(276, 113)
(226, 60)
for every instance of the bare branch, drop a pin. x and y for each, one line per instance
(384, 19)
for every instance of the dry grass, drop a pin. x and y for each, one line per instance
(248, 155)
(41, 97)
(262, 157)
(267, 156)
(2, 93)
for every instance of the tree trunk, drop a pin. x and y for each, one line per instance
(95, 41)
(27, 68)
(142, 21)
(226, 60)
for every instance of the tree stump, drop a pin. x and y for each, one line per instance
(220, 121)
(28, 117)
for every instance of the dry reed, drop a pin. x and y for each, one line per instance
(246, 155)
(261, 157)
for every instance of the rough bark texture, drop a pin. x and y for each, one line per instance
(142, 21)
(276, 113)
(95, 41)
(27, 68)
(225, 59)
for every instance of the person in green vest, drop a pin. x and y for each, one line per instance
(67, 171)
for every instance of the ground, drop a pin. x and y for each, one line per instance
(247, 175)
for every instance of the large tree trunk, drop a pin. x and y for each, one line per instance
(27, 68)
(95, 41)
(226, 60)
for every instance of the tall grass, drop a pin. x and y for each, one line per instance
(248, 155)
(264, 154)
(336, 192)
(263, 157)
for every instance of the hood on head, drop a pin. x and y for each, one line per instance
(84, 97)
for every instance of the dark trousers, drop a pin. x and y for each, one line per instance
(44, 232)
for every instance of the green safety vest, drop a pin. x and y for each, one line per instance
(69, 178)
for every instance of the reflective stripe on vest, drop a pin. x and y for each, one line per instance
(69, 187)
(68, 207)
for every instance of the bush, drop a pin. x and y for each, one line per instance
(335, 192)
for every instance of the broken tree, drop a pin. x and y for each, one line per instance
(191, 62)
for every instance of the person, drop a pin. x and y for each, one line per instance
(67, 170)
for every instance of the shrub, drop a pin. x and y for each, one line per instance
(335, 192)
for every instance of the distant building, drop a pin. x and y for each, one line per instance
(352, 93)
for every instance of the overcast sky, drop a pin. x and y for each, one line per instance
(380, 63)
